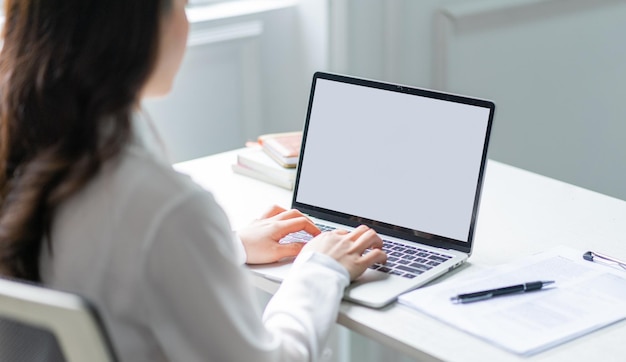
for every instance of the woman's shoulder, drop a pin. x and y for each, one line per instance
(141, 186)
(140, 169)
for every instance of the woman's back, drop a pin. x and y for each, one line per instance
(104, 239)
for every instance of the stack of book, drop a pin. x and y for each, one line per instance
(273, 159)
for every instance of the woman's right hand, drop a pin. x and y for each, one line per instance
(347, 247)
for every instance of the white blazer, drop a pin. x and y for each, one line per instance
(156, 255)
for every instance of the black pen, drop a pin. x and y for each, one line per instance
(492, 293)
(593, 256)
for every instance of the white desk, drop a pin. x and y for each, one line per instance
(521, 213)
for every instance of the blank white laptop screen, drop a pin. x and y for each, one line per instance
(412, 161)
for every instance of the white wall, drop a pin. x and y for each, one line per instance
(247, 71)
(556, 69)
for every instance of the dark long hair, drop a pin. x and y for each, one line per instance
(71, 73)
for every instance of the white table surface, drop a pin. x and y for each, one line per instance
(521, 213)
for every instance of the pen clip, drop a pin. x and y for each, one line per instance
(591, 256)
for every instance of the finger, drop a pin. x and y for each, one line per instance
(272, 211)
(358, 231)
(289, 214)
(368, 240)
(374, 256)
(289, 250)
(298, 224)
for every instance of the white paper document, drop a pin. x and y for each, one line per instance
(585, 297)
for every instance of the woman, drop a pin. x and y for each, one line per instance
(88, 205)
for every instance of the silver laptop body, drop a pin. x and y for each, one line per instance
(405, 161)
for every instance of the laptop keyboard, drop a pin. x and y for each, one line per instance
(408, 261)
(403, 260)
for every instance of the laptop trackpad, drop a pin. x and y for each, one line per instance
(376, 289)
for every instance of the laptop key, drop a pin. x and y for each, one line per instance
(297, 237)
(409, 269)
(419, 266)
(437, 258)
(325, 227)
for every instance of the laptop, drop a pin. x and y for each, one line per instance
(405, 161)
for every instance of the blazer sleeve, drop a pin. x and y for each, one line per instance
(200, 303)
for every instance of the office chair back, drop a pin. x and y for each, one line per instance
(41, 324)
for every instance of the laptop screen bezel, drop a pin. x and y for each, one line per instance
(384, 228)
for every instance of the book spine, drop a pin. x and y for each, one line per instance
(245, 171)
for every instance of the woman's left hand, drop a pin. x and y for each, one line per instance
(261, 237)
